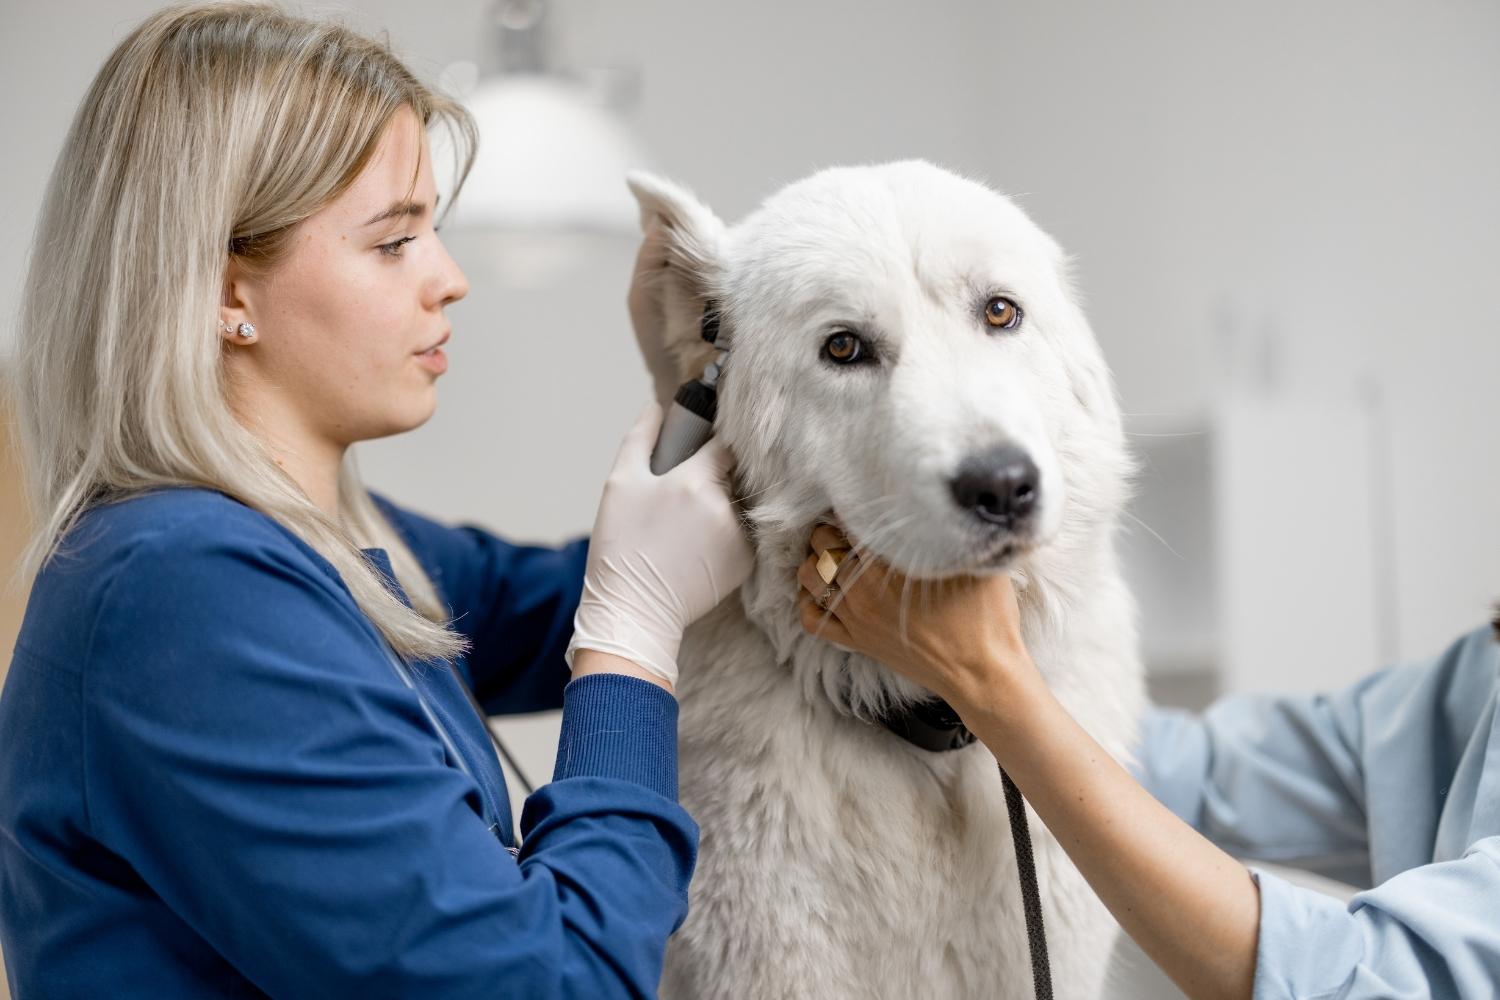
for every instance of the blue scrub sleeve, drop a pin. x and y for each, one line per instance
(268, 776)
(1431, 931)
(514, 603)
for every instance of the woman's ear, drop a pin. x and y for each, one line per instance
(234, 303)
(688, 277)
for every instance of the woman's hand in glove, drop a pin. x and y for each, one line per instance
(664, 552)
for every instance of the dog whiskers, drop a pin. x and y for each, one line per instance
(752, 496)
(1152, 530)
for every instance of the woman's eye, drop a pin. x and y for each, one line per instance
(1002, 314)
(844, 348)
(393, 248)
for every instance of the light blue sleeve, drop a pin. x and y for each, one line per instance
(1277, 779)
(1431, 931)
(1391, 782)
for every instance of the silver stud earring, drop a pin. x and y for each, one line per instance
(247, 330)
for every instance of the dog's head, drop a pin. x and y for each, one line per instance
(907, 356)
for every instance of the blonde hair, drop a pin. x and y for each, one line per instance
(213, 129)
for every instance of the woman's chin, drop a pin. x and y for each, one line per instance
(408, 418)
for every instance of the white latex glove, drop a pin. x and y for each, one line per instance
(665, 550)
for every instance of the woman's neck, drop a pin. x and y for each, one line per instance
(311, 460)
(315, 469)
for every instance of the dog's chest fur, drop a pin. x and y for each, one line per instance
(839, 861)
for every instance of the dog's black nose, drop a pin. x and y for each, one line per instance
(998, 485)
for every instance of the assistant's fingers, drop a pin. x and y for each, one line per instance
(822, 624)
(826, 536)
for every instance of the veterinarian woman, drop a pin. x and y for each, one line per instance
(239, 757)
(1399, 777)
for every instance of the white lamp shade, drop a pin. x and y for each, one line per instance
(551, 159)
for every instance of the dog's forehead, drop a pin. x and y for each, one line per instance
(888, 228)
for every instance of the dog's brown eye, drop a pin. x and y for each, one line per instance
(1002, 313)
(844, 347)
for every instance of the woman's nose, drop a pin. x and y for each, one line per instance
(451, 285)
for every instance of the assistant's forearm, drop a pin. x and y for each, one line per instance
(1192, 908)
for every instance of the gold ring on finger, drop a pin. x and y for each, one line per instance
(828, 563)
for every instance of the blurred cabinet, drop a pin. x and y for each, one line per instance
(1258, 547)
(1167, 544)
(1301, 539)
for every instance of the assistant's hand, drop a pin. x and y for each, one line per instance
(665, 550)
(647, 314)
(959, 638)
(1191, 907)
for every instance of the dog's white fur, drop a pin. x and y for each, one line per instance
(837, 860)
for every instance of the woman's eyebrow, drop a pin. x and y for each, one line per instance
(412, 208)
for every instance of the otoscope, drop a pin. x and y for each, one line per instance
(690, 419)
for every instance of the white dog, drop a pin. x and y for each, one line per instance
(907, 357)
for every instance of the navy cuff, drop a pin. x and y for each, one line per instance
(614, 726)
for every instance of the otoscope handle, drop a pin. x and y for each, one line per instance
(689, 422)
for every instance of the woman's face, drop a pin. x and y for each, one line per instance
(348, 325)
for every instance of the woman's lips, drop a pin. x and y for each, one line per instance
(433, 359)
(437, 343)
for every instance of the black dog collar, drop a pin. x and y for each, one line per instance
(931, 725)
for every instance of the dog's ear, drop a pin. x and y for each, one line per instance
(678, 285)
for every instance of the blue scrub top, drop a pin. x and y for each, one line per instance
(1392, 785)
(218, 782)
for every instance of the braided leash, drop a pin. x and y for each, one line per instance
(1036, 934)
